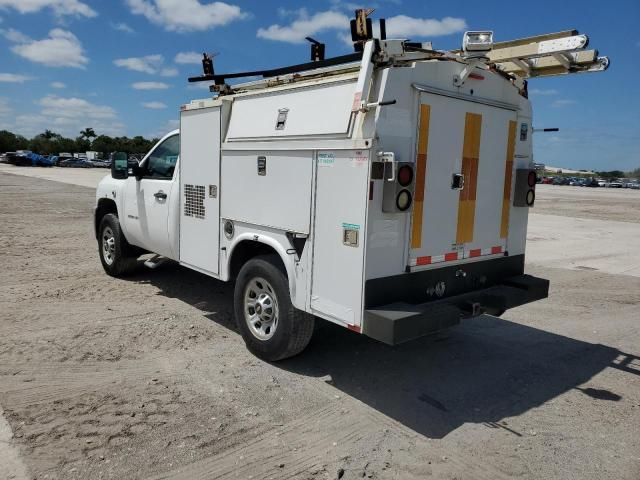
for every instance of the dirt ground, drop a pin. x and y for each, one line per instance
(148, 378)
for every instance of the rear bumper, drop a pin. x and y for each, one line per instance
(399, 322)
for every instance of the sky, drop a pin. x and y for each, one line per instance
(121, 66)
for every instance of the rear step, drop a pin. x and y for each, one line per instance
(400, 322)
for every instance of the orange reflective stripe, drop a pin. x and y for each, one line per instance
(470, 160)
(508, 173)
(421, 174)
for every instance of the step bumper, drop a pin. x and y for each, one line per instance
(400, 322)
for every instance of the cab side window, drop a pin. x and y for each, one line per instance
(162, 162)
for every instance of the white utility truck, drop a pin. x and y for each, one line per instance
(386, 191)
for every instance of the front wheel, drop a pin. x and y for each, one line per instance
(272, 328)
(115, 252)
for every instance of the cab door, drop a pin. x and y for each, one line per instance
(147, 201)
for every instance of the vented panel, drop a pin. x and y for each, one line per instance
(194, 201)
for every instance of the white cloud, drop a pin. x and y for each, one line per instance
(122, 27)
(151, 64)
(402, 26)
(149, 86)
(563, 102)
(147, 64)
(58, 85)
(59, 7)
(541, 92)
(60, 49)
(305, 25)
(188, 57)
(154, 105)
(186, 15)
(73, 107)
(14, 35)
(13, 78)
(67, 116)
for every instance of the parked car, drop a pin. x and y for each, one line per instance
(75, 163)
(591, 182)
(547, 180)
(4, 157)
(635, 185)
(100, 163)
(614, 184)
(40, 160)
(19, 159)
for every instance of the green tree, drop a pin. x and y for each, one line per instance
(82, 145)
(88, 133)
(8, 141)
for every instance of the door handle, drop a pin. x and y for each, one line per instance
(457, 181)
(160, 195)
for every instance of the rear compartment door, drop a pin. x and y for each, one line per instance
(470, 143)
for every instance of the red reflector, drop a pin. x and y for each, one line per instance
(450, 256)
(475, 253)
(531, 179)
(405, 175)
(476, 76)
(495, 250)
(423, 260)
(354, 328)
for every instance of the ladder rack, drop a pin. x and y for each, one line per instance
(557, 53)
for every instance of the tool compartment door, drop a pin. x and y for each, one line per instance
(199, 188)
(474, 142)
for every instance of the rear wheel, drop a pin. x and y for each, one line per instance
(116, 254)
(272, 328)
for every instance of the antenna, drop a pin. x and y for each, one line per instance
(317, 49)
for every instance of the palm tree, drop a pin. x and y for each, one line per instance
(48, 134)
(88, 133)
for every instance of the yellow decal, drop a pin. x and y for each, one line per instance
(421, 175)
(470, 159)
(508, 173)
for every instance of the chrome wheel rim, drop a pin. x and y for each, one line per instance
(260, 308)
(108, 246)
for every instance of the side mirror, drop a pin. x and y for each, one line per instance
(119, 166)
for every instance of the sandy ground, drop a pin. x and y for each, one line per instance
(147, 377)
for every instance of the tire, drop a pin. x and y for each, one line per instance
(272, 328)
(116, 255)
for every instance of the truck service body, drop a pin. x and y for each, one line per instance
(392, 194)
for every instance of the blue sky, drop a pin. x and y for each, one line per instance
(120, 66)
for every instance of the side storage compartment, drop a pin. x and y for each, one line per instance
(199, 188)
(342, 189)
(268, 188)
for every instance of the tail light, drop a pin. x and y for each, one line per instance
(525, 188)
(398, 189)
(405, 175)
